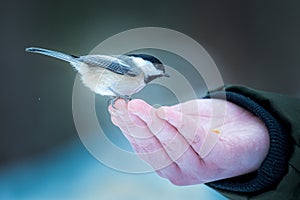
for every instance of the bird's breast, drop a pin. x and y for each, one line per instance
(107, 83)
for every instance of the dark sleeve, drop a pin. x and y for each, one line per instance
(279, 175)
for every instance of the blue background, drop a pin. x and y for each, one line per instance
(254, 43)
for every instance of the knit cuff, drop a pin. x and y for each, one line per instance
(275, 165)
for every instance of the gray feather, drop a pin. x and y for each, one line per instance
(118, 64)
(55, 54)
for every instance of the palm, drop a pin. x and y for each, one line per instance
(194, 142)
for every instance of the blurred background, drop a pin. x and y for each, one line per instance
(254, 43)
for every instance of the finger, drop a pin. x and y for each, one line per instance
(165, 167)
(195, 130)
(146, 113)
(189, 127)
(176, 148)
(119, 107)
(211, 113)
(114, 120)
(126, 118)
(174, 144)
(152, 152)
(189, 108)
(142, 140)
(172, 172)
(202, 107)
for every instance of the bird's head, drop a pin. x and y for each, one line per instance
(151, 66)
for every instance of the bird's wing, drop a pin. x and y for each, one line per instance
(112, 63)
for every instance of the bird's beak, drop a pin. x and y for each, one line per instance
(166, 75)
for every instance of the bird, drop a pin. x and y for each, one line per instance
(116, 76)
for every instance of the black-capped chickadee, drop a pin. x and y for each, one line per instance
(117, 76)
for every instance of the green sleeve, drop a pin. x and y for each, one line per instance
(286, 110)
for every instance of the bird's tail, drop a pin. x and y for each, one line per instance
(55, 54)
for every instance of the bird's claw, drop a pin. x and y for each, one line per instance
(117, 96)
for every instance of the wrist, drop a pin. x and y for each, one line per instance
(274, 166)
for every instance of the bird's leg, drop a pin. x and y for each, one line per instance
(117, 96)
(112, 101)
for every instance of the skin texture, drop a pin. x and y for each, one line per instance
(194, 142)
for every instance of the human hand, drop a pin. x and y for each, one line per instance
(176, 140)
